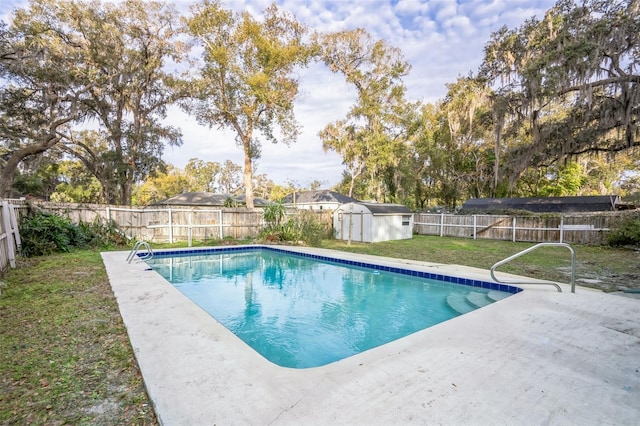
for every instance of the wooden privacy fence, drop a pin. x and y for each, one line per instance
(9, 235)
(582, 229)
(187, 223)
(171, 224)
(180, 224)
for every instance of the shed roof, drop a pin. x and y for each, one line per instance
(321, 196)
(596, 203)
(382, 208)
(206, 199)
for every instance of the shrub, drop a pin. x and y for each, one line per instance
(45, 233)
(273, 214)
(627, 234)
(303, 227)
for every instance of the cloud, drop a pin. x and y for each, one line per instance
(441, 39)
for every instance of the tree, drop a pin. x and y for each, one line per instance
(315, 185)
(230, 181)
(39, 95)
(563, 181)
(345, 140)
(77, 184)
(93, 60)
(570, 80)
(161, 186)
(128, 44)
(204, 175)
(370, 139)
(425, 132)
(93, 150)
(39, 175)
(247, 82)
(262, 186)
(469, 121)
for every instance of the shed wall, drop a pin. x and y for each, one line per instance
(367, 227)
(390, 227)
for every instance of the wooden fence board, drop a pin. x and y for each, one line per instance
(9, 236)
(200, 223)
(579, 228)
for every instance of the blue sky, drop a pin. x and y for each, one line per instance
(441, 39)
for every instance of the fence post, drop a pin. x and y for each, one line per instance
(189, 228)
(170, 226)
(513, 227)
(561, 228)
(13, 218)
(441, 224)
(108, 214)
(9, 233)
(220, 224)
(474, 226)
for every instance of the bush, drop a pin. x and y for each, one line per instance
(303, 227)
(273, 214)
(45, 233)
(627, 234)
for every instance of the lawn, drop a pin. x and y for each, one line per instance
(604, 268)
(65, 357)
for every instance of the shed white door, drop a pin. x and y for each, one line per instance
(353, 220)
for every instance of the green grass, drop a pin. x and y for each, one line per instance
(604, 268)
(65, 357)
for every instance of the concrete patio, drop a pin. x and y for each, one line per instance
(537, 357)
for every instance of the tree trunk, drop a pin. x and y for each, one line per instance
(6, 176)
(126, 188)
(248, 176)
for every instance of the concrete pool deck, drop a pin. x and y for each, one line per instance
(537, 357)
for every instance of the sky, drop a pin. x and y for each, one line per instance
(441, 39)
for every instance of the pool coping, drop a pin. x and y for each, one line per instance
(514, 361)
(371, 264)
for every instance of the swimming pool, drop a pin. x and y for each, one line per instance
(303, 310)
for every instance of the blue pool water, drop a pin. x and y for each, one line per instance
(307, 311)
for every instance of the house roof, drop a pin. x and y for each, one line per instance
(207, 199)
(597, 203)
(321, 196)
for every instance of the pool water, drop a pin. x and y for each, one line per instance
(303, 312)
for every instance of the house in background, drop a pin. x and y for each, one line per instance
(209, 199)
(316, 200)
(372, 222)
(582, 204)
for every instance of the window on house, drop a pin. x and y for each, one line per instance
(406, 220)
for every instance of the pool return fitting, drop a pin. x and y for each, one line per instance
(136, 247)
(530, 249)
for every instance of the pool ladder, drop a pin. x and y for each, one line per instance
(530, 249)
(136, 247)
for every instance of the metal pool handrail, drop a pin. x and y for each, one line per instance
(530, 249)
(136, 247)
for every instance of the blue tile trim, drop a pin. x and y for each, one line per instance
(420, 274)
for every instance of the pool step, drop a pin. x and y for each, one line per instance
(463, 303)
(497, 295)
(478, 299)
(459, 303)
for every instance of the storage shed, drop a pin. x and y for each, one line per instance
(372, 222)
